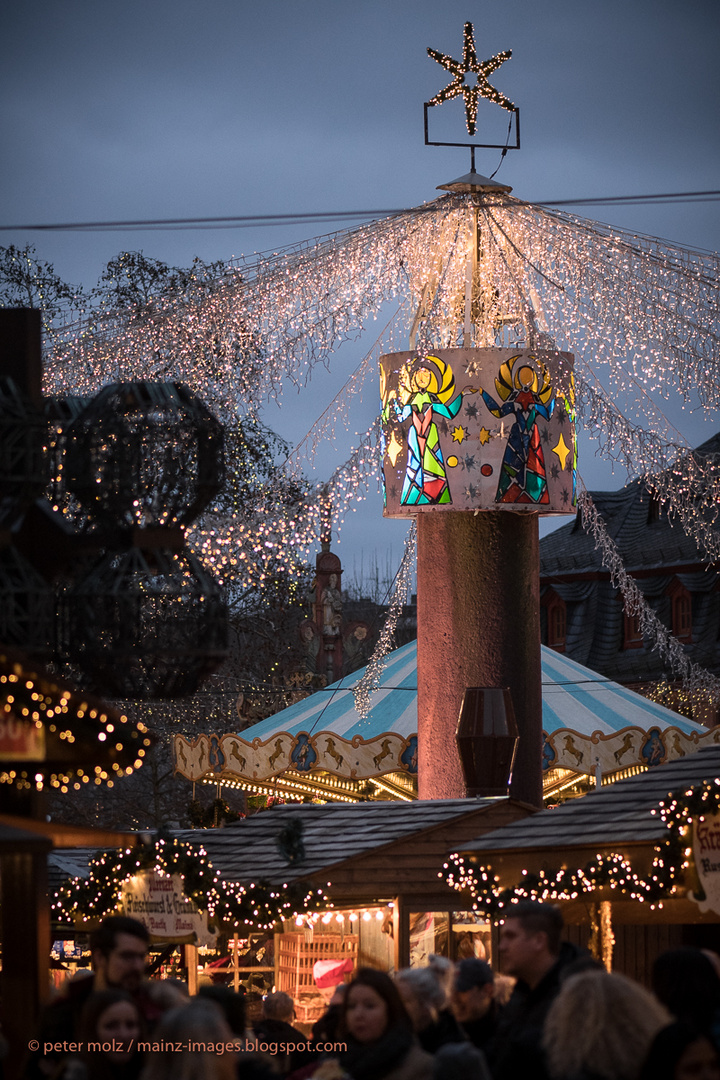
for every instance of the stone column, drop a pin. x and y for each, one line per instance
(478, 607)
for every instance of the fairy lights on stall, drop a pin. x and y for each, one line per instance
(610, 871)
(229, 903)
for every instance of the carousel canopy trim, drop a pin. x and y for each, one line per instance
(589, 721)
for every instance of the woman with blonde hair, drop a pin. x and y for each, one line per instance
(600, 1027)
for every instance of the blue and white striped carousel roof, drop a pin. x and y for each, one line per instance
(574, 698)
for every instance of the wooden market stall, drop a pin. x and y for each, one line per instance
(637, 869)
(378, 864)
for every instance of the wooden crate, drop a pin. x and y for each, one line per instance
(296, 957)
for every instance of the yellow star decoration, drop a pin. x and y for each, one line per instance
(394, 448)
(471, 65)
(459, 433)
(484, 436)
(562, 451)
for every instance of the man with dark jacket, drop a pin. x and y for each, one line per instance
(119, 949)
(472, 1000)
(530, 950)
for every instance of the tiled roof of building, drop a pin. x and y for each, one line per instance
(657, 553)
(643, 543)
(617, 814)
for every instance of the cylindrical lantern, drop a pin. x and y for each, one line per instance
(478, 429)
(487, 738)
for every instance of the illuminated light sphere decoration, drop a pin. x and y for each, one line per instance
(150, 622)
(474, 268)
(143, 455)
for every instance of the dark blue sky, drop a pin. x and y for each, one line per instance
(153, 108)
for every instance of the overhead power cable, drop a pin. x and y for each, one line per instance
(249, 221)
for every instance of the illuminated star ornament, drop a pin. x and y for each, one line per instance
(463, 83)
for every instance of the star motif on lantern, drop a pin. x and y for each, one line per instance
(459, 433)
(484, 436)
(462, 84)
(562, 451)
(393, 449)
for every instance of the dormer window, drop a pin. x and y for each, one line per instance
(632, 634)
(653, 510)
(682, 614)
(556, 621)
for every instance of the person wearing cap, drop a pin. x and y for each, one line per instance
(472, 1000)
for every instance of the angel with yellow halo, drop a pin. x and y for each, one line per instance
(523, 478)
(422, 396)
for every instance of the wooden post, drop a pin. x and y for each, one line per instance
(191, 963)
(478, 587)
(236, 963)
(24, 982)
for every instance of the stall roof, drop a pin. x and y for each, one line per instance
(248, 850)
(616, 814)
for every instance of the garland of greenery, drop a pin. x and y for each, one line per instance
(228, 902)
(671, 858)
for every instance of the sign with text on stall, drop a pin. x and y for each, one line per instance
(706, 856)
(161, 905)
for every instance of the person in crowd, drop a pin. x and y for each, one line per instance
(111, 1018)
(326, 1028)
(180, 1045)
(473, 1000)
(681, 1052)
(685, 980)
(109, 1034)
(600, 1027)
(460, 1061)
(119, 948)
(275, 1026)
(530, 950)
(230, 1003)
(379, 1043)
(425, 998)
(167, 993)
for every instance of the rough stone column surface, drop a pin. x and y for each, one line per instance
(478, 605)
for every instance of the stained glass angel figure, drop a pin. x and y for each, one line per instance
(523, 478)
(421, 397)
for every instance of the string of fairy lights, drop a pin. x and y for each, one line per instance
(366, 686)
(695, 679)
(640, 314)
(87, 899)
(611, 871)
